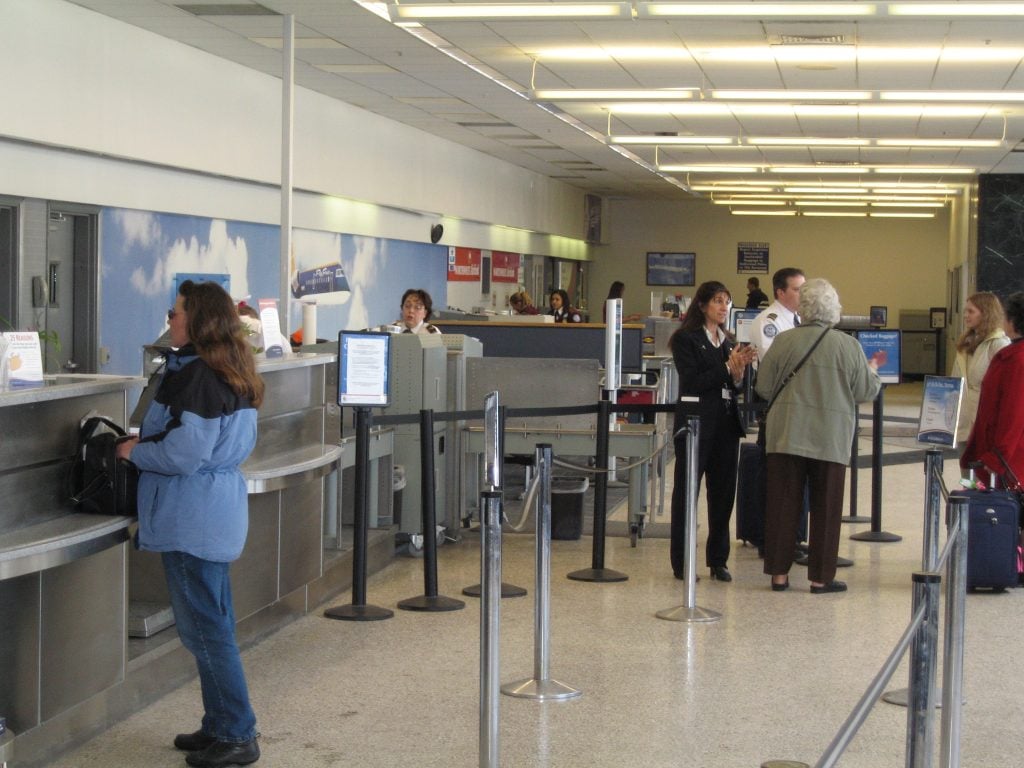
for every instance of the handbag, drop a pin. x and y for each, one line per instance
(98, 481)
(761, 426)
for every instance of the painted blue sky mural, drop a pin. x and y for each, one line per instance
(141, 252)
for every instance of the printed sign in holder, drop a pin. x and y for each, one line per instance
(884, 347)
(363, 364)
(940, 411)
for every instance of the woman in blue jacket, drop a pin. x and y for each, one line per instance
(193, 506)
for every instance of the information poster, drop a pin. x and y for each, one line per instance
(363, 363)
(21, 361)
(504, 267)
(740, 321)
(464, 264)
(883, 347)
(940, 410)
(273, 342)
(752, 258)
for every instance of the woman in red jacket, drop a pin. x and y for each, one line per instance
(998, 432)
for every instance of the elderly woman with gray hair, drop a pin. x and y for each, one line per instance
(813, 377)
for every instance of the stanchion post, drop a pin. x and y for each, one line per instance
(876, 533)
(923, 658)
(541, 687)
(953, 652)
(930, 539)
(689, 611)
(597, 571)
(358, 610)
(853, 517)
(430, 600)
(490, 625)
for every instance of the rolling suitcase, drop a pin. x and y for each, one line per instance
(751, 493)
(992, 538)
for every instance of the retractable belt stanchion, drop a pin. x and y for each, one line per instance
(597, 571)
(494, 474)
(923, 657)
(490, 586)
(853, 517)
(358, 610)
(930, 545)
(953, 640)
(541, 687)
(690, 611)
(876, 533)
(429, 600)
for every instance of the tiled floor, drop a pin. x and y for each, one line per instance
(773, 679)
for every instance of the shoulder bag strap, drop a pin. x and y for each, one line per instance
(796, 368)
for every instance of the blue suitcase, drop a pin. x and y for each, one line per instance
(992, 537)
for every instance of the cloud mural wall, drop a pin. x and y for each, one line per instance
(141, 252)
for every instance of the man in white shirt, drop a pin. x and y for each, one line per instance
(780, 315)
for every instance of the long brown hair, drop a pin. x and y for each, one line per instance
(694, 318)
(216, 332)
(991, 319)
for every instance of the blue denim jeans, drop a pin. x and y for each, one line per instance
(201, 599)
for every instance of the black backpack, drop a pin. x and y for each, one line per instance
(97, 481)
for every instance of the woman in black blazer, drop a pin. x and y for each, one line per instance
(711, 367)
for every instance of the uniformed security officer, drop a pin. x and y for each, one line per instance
(781, 314)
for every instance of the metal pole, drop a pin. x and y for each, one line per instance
(953, 651)
(597, 571)
(689, 611)
(494, 455)
(930, 538)
(876, 533)
(358, 610)
(490, 625)
(923, 658)
(430, 600)
(541, 687)
(853, 517)
(287, 152)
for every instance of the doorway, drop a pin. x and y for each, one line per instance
(70, 289)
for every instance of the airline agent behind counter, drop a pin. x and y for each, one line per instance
(417, 307)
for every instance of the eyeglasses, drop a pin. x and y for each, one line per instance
(171, 314)
(413, 305)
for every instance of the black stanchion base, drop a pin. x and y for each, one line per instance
(597, 574)
(507, 590)
(855, 519)
(881, 536)
(436, 603)
(841, 562)
(352, 612)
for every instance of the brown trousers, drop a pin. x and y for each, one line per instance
(787, 475)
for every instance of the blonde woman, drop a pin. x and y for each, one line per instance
(983, 336)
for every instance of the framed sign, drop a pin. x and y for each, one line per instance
(671, 268)
(940, 410)
(937, 317)
(883, 346)
(879, 317)
(364, 359)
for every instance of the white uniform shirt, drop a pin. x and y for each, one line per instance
(770, 323)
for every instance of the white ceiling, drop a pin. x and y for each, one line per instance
(471, 82)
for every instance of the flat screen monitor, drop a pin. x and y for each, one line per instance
(739, 322)
(364, 360)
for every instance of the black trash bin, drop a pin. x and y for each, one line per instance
(567, 507)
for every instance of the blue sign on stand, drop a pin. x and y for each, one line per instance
(883, 346)
(940, 410)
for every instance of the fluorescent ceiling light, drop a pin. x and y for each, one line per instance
(956, 9)
(847, 214)
(737, 187)
(741, 109)
(923, 169)
(837, 203)
(709, 168)
(987, 96)
(491, 11)
(908, 205)
(763, 213)
(823, 169)
(757, 10)
(825, 190)
(793, 95)
(734, 201)
(668, 140)
(796, 141)
(622, 94)
(940, 143)
(621, 52)
(902, 215)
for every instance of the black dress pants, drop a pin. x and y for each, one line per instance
(717, 457)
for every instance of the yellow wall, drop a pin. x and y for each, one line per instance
(899, 263)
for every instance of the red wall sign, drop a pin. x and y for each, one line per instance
(463, 265)
(504, 267)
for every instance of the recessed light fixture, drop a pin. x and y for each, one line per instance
(609, 94)
(758, 10)
(495, 11)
